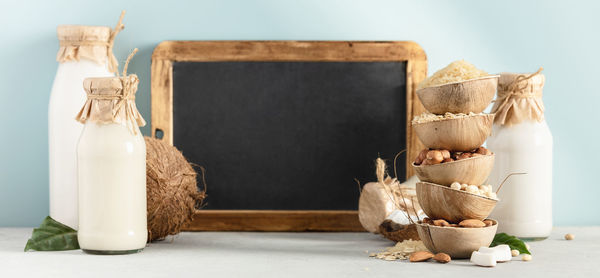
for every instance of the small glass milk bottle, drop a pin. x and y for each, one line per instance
(522, 142)
(112, 168)
(84, 51)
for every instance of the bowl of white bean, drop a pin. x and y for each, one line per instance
(453, 205)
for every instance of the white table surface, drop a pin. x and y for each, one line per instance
(233, 254)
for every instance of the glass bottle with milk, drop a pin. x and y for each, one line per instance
(523, 144)
(84, 51)
(112, 169)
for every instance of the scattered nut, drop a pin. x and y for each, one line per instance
(420, 256)
(447, 160)
(526, 257)
(442, 258)
(426, 220)
(488, 222)
(471, 223)
(514, 252)
(569, 236)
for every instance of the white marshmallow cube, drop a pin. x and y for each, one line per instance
(483, 259)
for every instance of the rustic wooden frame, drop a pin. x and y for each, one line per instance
(168, 52)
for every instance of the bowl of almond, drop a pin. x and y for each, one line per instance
(453, 204)
(459, 239)
(445, 167)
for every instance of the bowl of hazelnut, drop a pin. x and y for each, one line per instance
(445, 167)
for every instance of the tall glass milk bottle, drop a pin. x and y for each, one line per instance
(112, 169)
(522, 142)
(84, 51)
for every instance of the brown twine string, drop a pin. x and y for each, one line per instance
(127, 62)
(512, 87)
(113, 64)
(511, 90)
(82, 43)
(127, 94)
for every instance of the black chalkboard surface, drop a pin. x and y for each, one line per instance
(288, 135)
(284, 127)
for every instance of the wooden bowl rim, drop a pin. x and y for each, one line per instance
(421, 224)
(460, 191)
(455, 161)
(467, 117)
(497, 76)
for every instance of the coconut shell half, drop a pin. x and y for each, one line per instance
(472, 95)
(457, 242)
(442, 202)
(456, 134)
(398, 232)
(474, 170)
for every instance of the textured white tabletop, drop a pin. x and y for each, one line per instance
(232, 254)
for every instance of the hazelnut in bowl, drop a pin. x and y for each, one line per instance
(443, 167)
(472, 95)
(457, 132)
(453, 205)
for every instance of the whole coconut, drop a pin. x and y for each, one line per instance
(171, 190)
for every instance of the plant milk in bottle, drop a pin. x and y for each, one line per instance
(84, 51)
(112, 169)
(523, 144)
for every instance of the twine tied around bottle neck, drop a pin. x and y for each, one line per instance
(113, 64)
(112, 99)
(517, 86)
(520, 98)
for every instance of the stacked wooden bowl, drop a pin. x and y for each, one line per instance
(464, 133)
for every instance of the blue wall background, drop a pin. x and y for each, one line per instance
(520, 36)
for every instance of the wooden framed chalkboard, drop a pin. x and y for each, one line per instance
(284, 127)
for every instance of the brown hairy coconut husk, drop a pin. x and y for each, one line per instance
(171, 190)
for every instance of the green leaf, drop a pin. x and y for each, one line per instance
(513, 242)
(52, 236)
